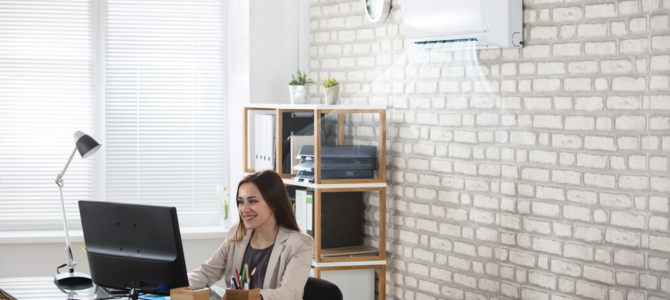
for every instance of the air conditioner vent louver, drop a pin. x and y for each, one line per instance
(492, 23)
(449, 41)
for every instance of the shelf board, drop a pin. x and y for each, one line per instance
(350, 263)
(338, 252)
(311, 106)
(332, 186)
(345, 260)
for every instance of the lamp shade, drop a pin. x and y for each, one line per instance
(86, 145)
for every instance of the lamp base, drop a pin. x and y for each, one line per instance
(72, 279)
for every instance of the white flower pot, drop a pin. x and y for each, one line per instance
(226, 223)
(332, 94)
(298, 94)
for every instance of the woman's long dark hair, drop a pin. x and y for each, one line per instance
(274, 193)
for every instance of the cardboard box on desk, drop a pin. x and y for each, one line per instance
(254, 294)
(185, 293)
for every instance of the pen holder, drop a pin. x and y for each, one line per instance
(254, 294)
(185, 293)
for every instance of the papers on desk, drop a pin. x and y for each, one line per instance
(154, 297)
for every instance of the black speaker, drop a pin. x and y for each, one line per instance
(341, 219)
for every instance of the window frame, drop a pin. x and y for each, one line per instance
(98, 101)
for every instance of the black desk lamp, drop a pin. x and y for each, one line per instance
(87, 146)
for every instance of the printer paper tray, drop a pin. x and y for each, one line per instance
(339, 174)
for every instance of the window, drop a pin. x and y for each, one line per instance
(146, 79)
(46, 89)
(164, 81)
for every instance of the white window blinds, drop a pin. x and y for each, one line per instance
(164, 107)
(45, 96)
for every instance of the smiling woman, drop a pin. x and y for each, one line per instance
(255, 211)
(267, 239)
(264, 190)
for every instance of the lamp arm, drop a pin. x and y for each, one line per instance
(59, 182)
(68, 250)
(59, 178)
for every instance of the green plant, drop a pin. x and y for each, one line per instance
(302, 79)
(330, 82)
(225, 200)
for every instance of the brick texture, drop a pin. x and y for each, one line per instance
(532, 173)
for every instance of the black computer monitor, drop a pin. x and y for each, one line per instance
(133, 247)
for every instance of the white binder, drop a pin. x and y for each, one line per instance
(309, 212)
(304, 210)
(301, 209)
(264, 142)
(251, 142)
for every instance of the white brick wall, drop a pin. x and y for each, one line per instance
(555, 188)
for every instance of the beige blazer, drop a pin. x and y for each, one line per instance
(287, 272)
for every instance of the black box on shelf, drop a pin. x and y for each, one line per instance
(341, 219)
(342, 216)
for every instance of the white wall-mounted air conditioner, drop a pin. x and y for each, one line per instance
(492, 23)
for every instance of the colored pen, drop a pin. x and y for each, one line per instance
(238, 278)
(233, 285)
(246, 267)
(242, 277)
(252, 282)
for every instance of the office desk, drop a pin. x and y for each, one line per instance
(44, 288)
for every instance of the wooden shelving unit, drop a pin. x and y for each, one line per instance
(321, 186)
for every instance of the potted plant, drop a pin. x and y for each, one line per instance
(331, 90)
(225, 204)
(298, 88)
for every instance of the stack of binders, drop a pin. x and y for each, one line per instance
(264, 142)
(338, 162)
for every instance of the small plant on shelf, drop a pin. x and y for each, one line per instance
(331, 90)
(297, 88)
(302, 79)
(329, 82)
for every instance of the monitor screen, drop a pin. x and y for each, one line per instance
(131, 246)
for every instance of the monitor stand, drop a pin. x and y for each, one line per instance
(133, 294)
